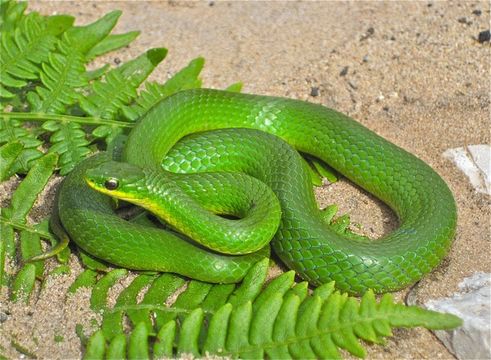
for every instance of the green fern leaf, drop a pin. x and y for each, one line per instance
(112, 322)
(69, 141)
(22, 50)
(160, 290)
(164, 343)
(117, 348)
(138, 343)
(24, 283)
(98, 300)
(30, 245)
(277, 323)
(112, 42)
(11, 12)
(187, 78)
(283, 327)
(62, 74)
(235, 87)
(85, 38)
(8, 154)
(118, 88)
(12, 131)
(90, 262)
(189, 333)
(15, 217)
(96, 346)
(97, 73)
(26, 193)
(86, 278)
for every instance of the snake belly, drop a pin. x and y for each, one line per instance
(420, 198)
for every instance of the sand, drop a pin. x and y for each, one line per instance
(411, 71)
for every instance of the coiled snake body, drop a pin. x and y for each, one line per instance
(420, 198)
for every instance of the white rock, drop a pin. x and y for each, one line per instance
(473, 305)
(475, 162)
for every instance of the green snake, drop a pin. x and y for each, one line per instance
(211, 132)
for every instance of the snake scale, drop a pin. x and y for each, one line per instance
(213, 132)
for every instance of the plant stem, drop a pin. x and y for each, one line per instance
(28, 228)
(28, 116)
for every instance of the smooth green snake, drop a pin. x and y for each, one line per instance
(258, 138)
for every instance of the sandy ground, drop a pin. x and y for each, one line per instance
(411, 71)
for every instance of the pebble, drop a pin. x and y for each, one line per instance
(471, 304)
(477, 12)
(484, 36)
(344, 71)
(475, 162)
(369, 33)
(365, 58)
(353, 85)
(314, 91)
(3, 317)
(117, 61)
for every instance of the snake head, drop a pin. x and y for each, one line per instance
(116, 179)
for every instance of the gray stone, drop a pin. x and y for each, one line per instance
(475, 162)
(473, 305)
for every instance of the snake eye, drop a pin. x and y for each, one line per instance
(111, 184)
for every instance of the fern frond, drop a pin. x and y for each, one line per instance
(69, 141)
(62, 75)
(14, 217)
(314, 328)
(112, 322)
(98, 300)
(11, 12)
(279, 321)
(11, 131)
(186, 78)
(119, 86)
(64, 72)
(30, 44)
